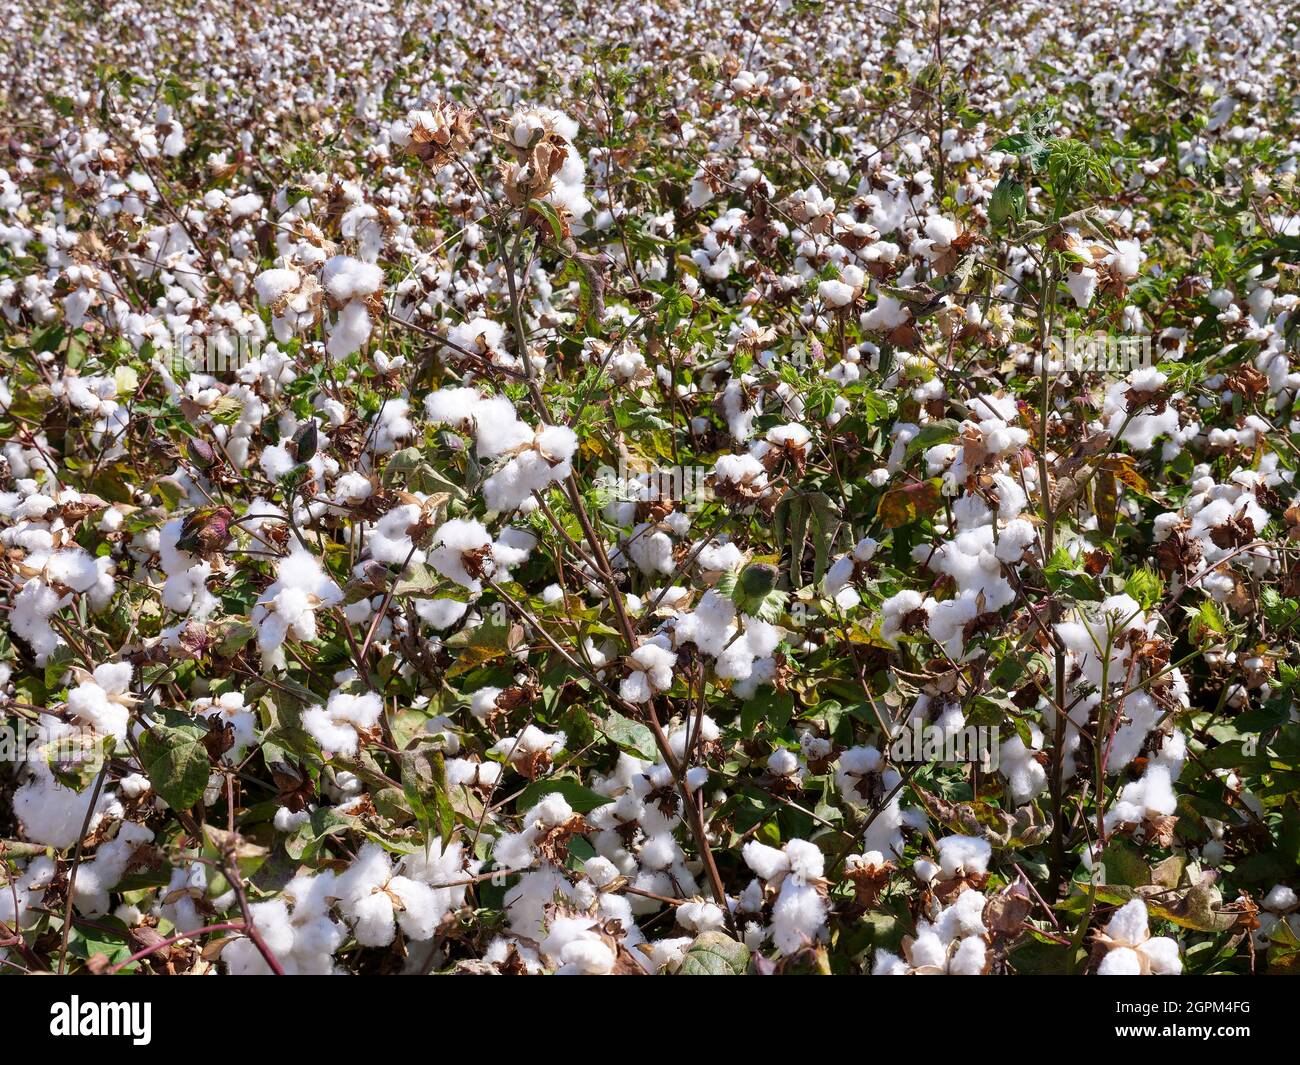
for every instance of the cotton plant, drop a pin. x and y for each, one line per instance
(289, 605)
(103, 700)
(1131, 949)
(951, 943)
(794, 875)
(314, 376)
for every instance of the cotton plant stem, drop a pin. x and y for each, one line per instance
(230, 869)
(1046, 323)
(76, 862)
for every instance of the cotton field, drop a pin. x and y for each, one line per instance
(683, 488)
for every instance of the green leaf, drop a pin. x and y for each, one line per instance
(769, 705)
(1124, 865)
(420, 580)
(631, 736)
(934, 433)
(1145, 586)
(483, 644)
(174, 759)
(715, 954)
(582, 799)
(549, 213)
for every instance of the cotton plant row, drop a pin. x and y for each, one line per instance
(331, 647)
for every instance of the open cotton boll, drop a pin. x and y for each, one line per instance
(289, 605)
(350, 332)
(454, 407)
(33, 607)
(1132, 950)
(52, 814)
(1139, 426)
(964, 856)
(481, 336)
(969, 958)
(896, 612)
(1025, 775)
(440, 613)
(767, 862)
(1126, 260)
(652, 671)
(364, 898)
(530, 471)
(950, 945)
(102, 701)
(462, 552)
(888, 314)
(557, 444)
(273, 285)
(228, 711)
(835, 293)
(531, 751)
(97, 877)
(484, 702)
(73, 568)
(798, 916)
(1152, 795)
(512, 547)
(346, 278)
(1280, 899)
(1082, 283)
(338, 725)
(498, 428)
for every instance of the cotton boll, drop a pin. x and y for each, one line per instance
(1132, 949)
(806, 860)
(350, 332)
(766, 862)
(700, 917)
(420, 910)
(797, 916)
(498, 429)
(97, 877)
(1025, 775)
(345, 278)
(440, 613)
(835, 293)
(1120, 962)
(288, 606)
(460, 545)
(887, 964)
(102, 702)
(1082, 283)
(1162, 956)
(52, 814)
(338, 725)
(660, 852)
(1280, 899)
(587, 957)
(970, 958)
(964, 856)
(929, 950)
